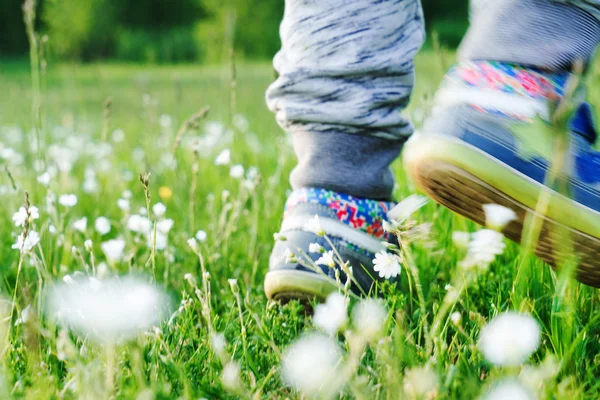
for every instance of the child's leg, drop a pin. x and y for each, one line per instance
(538, 33)
(490, 139)
(346, 72)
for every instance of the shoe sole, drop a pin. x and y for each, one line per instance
(464, 178)
(286, 285)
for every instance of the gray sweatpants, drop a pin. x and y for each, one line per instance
(346, 72)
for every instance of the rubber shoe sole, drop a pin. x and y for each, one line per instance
(285, 285)
(464, 178)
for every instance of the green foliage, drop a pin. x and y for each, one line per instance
(170, 46)
(185, 30)
(79, 29)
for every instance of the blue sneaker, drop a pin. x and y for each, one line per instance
(354, 227)
(488, 140)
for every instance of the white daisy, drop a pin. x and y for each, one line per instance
(386, 265)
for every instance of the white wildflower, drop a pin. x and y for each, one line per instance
(159, 241)
(485, 245)
(107, 311)
(102, 225)
(312, 365)
(316, 248)
(455, 317)
(314, 226)
(420, 383)
(326, 259)
(332, 315)
(406, 208)
(237, 171)
(223, 158)
(509, 339)
(165, 121)
(127, 194)
(67, 200)
(193, 244)
(165, 225)
(289, 256)
(113, 249)
(200, 236)
(20, 217)
(80, 225)
(88, 245)
(461, 239)
(123, 204)
(27, 244)
(26, 315)
(508, 390)
(118, 135)
(231, 376)
(369, 317)
(44, 179)
(139, 224)
(386, 265)
(497, 216)
(278, 237)
(159, 209)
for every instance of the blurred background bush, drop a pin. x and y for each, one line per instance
(167, 31)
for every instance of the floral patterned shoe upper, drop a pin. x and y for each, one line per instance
(321, 231)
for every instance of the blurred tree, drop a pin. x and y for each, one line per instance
(173, 31)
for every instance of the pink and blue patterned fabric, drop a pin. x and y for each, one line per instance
(362, 214)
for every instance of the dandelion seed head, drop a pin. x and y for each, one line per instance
(223, 158)
(67, 200)
(113, 249)
(237, 171)
(333, 314)
(508, 390)
(312, 364)
(159, 209)
(80, 225)
(420, 383)
(102, 225)
(201, 236)
(497, 216)
(107, 311)
(368, 318)
(510, 339)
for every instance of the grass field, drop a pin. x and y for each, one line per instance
(97, 151)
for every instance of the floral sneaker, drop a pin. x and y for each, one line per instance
(321, 230)
(489, 141)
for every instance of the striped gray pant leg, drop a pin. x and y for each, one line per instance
(542, 33)
(345, 73)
